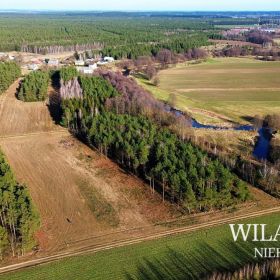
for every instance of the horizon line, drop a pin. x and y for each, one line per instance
(129, 11)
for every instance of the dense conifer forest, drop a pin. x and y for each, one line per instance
(114, 122)
(34, 87)
(18, 217)
(9, 72)
(121, 37)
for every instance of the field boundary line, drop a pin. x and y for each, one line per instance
(127, 242)
(58, 131)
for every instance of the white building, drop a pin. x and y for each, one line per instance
(53, 62)
(85, 70)
(92, 66)
(108, 59)
(32, 67)
(100, 63)
(79, 63)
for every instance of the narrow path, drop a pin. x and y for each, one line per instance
(127, 242)
(32, 143)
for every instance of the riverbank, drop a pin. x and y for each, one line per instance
(262, 145)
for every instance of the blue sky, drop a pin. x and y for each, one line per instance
(186, 5)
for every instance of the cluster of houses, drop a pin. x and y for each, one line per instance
(87, 66)
(243, 30)
(6, 57)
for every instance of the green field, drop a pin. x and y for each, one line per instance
(183, 256)
(233, 87)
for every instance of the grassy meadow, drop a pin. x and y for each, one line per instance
(235, 88)
(184, 256)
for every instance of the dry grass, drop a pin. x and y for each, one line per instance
(234, 87)
(77, 192)
(17, 117)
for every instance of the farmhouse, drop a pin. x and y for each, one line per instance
(33, 67)
(108, 59)
(53, 62)
(79, 63)
(100, 63)
(85, 70)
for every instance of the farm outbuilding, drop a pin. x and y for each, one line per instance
(53, 62)
(79, 63)
(108, 59)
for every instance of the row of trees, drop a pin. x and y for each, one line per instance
(34, 87)
(18, 218)
(183, 172)
(273, 122)
(235, 51)
(275, 151)
(9, 72)
(177, 45)
(269, 269)
(136, 139)
(164, 57)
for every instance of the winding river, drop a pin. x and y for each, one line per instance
(262, 147)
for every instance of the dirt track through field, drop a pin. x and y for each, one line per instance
(53, 164)
(45, 157)
(127, 242)
(30, 140)
(17, 117)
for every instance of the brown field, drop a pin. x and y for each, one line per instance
(18, 118)
(67, 179)
(83, 198)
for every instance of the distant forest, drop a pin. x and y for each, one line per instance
(122, 35)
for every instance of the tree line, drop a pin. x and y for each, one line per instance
(142, 144)
(34, 87)
(236, 51)
(9, 72)
(183, 172)
(18, 218)
(177, 45)
(269, 269)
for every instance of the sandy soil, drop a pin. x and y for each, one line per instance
(53, 165)
(28, 57)
(17, 117)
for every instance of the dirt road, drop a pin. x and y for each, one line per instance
(55, 166)
(94, 249)
(70, 183)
